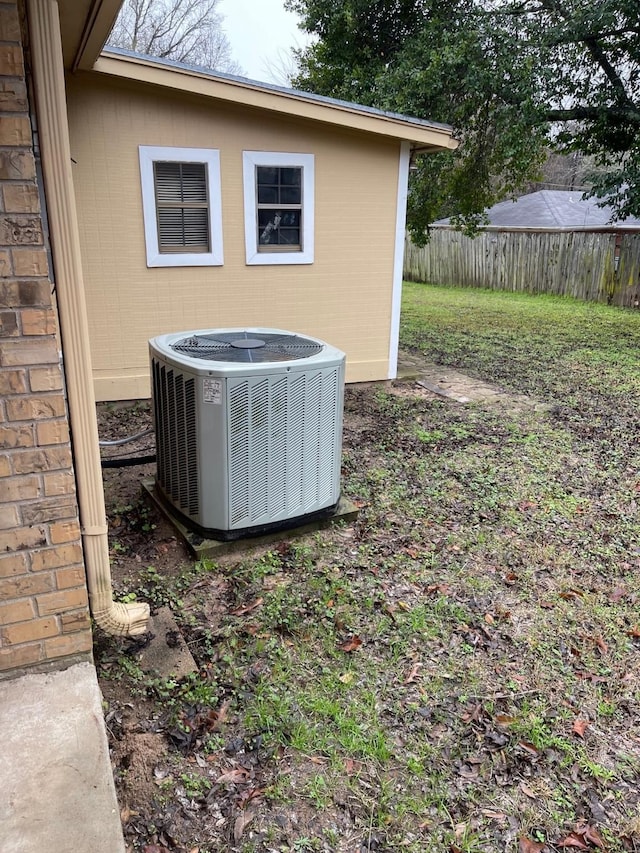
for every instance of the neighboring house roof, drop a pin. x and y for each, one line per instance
(124, 64)
(554, 210)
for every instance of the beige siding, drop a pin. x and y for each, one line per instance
(344, 297)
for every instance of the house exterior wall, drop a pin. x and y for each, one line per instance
(344, 296)
(44, 618)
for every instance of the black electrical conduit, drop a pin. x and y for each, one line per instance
(126, 461)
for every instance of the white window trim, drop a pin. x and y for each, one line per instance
(251, 159)
(149, 154)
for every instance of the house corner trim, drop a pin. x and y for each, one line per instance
(398, 258)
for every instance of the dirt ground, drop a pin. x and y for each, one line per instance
(467, 758)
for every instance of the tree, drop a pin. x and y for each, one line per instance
(513, 77)
(183, 30)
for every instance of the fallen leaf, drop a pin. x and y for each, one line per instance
(634, 632)
(570, 594)
(572, 840)
(600, 643)
(592, 835)
(526, 845)
(241, 823)
(351, 644)
(580, 726)
(618, 594)
(235, 776)
(414, 675)
(504, 719)
(240, 611)
(529, 747)
(488, 618)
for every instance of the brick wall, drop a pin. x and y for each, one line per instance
(43, 598)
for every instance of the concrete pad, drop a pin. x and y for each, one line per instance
(167, 654)
(57, 784)
(208, 548)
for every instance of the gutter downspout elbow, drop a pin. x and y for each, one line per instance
(53, 132)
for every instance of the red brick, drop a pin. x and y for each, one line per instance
(56, 558)
(19, 229)
(27, 632)
(59, 483)
(35, 408)
(38, 321)
(13, 96)
(64, 531)
(12, 564)
(20, 198)
(12, 382)
(29, 261)
(22, 538)
(52, 432)
(51, 603)
(11, 65)
(71, 577)
(25, 585)
(31, 461)
(21, 352)
(9, 23)
(6, 268)
(16, 436)
(17, 165)
(69, 644)
(5, 468)
(8, 324)
(9, 516)
(45, 378)
(17, 657)
(16, 611)
(34, 293)
(78, 621)
(20, 489)
(49, 510)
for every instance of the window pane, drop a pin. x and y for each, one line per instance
(289, 237)
(290, 195)
(290, 176)
(279, 228)
(267, 175)
(267, 195)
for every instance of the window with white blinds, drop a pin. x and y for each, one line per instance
(181, 206)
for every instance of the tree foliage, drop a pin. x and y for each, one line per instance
(511, 76)
(183, 30)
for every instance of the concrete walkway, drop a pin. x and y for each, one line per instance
(459, 387)
(57, 785)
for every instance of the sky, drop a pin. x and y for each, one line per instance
(261, 34)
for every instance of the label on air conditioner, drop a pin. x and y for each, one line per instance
(212, 391)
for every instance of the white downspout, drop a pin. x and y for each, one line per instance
(49, 88)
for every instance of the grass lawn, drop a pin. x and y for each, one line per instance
(457, 671)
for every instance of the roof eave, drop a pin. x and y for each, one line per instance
(283, 101)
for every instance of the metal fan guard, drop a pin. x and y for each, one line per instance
(247, 347)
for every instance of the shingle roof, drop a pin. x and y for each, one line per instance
(554, 210)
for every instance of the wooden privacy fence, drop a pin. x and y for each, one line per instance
(603, 267)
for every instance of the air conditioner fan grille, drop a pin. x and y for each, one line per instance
(250, 347)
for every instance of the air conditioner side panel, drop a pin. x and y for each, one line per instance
(284, 444)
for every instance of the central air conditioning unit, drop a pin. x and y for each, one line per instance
(248, 426)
